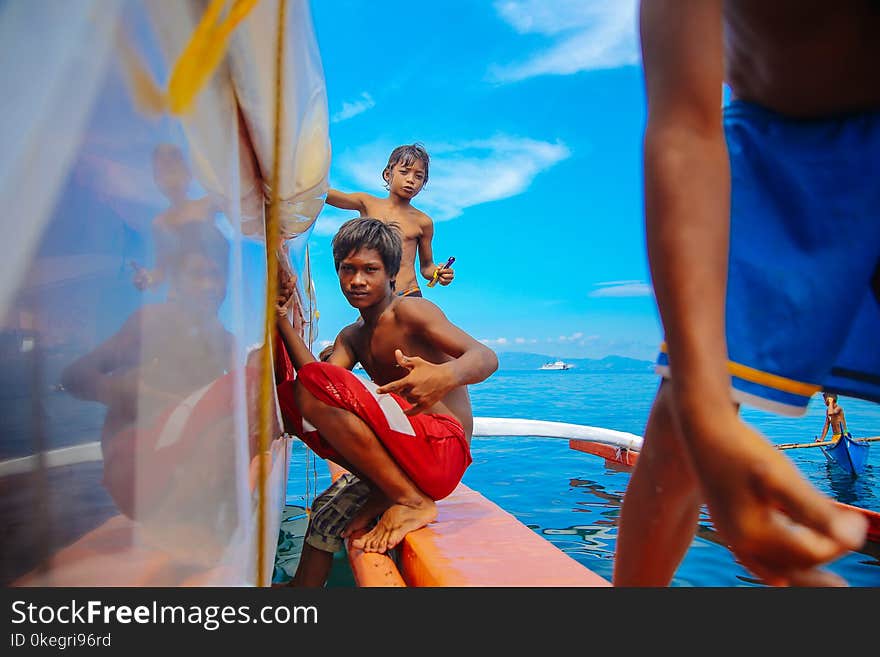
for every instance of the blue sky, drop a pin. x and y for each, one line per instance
(532, 113)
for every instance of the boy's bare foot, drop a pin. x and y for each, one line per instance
(395, 523)
(376, 503)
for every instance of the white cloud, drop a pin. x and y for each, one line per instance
(622, 289)
(586, 34)
(497, 342)
(350, 109)
(464, 174)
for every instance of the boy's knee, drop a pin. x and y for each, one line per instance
(304, 399)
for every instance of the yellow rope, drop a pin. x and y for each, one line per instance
(273, 236)
(311, 460)
(194, 66)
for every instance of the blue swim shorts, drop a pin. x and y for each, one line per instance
(803, 285)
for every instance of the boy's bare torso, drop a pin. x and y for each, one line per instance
(412, 224)
(804, 58)
(835, 419)
(374, 348)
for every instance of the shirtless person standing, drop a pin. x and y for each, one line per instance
(835, 419)
(173, 178)
(407, 441)
(739, 203)
(405, 175)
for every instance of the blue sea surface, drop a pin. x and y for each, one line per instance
(573, 500)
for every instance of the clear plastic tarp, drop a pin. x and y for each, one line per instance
(132, 295)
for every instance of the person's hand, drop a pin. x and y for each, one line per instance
(281, 307)
(779, 526)
(142, 278)
(445, 275)
(424, 384)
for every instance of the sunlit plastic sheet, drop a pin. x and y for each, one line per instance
(132, 298)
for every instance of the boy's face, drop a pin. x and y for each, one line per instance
(363, 279)
(406, 180)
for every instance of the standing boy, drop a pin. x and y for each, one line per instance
(405, 175)
(783, 186)
(408, 440)
(835, 419)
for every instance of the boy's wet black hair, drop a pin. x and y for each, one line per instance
(370, 233)
(406, 154)
(830, 395)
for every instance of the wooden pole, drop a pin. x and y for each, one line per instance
(824, 443)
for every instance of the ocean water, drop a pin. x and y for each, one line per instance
(573, 500)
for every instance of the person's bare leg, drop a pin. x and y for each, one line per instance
(376, 503)
(661, 506)
(313, 568)
(362, 449)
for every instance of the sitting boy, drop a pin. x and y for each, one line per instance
(407, 440)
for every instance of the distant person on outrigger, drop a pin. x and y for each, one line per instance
(750, 210)
(405, 175)
(406, 433)
(834, 418)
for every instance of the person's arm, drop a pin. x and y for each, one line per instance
(343, 355)
(824, 429)
(353, 201)
(91, 377)
(296, 348)
(687, 200)
(427, 266)
(843, 422)
(427, 383)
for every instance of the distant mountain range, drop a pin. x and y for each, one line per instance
(514, 360)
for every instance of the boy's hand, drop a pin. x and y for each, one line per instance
(423, 386)
(281, 307)
(142, 278)
(445, 275)
(775, 522)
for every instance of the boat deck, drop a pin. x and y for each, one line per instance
(473, 543)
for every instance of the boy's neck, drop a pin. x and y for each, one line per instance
(398, 201)
(371, 315)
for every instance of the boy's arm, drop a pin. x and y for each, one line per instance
(343, 355)
(91, 376)
(427, 266)
(687, 206)
(353, 201)
(427, 383)
(775, 522)
(824, 430)
(297, 350)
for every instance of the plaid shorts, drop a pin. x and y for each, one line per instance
(333, 510)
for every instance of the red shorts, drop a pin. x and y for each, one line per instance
(430, 448)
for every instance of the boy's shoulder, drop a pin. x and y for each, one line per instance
(414, 310)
